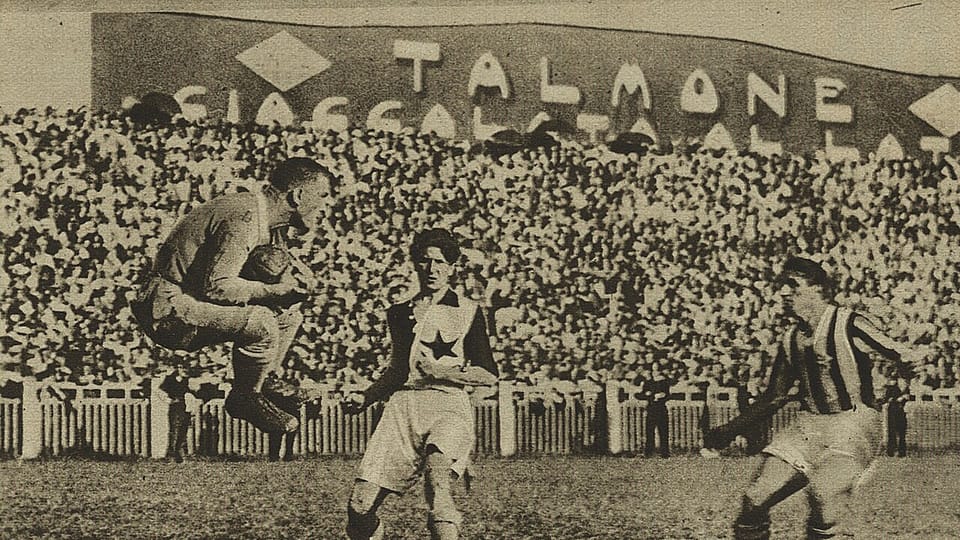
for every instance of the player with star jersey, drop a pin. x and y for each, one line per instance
(439, 345)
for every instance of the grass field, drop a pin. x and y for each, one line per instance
(545, 498)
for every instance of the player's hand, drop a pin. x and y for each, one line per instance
(288, 293)
(709, 453)
(354, 403)
(434, 370)
(711, 441)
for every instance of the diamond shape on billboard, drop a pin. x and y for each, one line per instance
(283, 61)
(940, 109)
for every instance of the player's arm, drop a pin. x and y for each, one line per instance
(773, 399)
(865, 332)
(399, 368)
(167, 384)
(232, 243)
(480, 368)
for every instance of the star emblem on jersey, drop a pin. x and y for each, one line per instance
(440, 347)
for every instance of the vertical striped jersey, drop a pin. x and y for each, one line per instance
(833, 371)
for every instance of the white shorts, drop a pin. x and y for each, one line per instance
(412, 421)
(814, 438)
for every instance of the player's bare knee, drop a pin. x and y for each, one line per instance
(438, 490)
(362, 521)
(262, 327)
(363, 498)
(291, 317)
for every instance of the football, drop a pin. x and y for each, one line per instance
(266, 263)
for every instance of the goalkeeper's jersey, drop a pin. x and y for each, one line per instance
(208, 247)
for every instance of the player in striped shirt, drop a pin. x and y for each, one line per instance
(837, 432)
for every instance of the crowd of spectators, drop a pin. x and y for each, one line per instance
(594, 266)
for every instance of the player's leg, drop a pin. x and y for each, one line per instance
(274, 440)
(288, 441)
(650, 424)
(902, 437)
(663, 426)
(829, 496)
(891, 434)
(254, 330)
(443, 520)
(182, 433)
(285, 395)
(179, 321)
(362, 521)
(447, 456)
(175, 416)
(775, 480)
(288, 324)
(255, 333)
(390, 464)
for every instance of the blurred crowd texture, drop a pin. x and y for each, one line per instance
(592, 265)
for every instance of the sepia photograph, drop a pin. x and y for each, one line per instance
(480, 269)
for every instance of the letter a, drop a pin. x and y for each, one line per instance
(488, 73)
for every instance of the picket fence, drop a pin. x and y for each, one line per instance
(512, 419)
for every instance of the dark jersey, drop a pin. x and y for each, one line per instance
(446, 340)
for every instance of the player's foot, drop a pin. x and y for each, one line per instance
(275, 387)
(265, 416)
(709, 453)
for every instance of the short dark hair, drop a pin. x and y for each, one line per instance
(810, 270)
(441, 238)
(295, 172)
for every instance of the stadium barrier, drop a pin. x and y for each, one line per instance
(109, 419)
(933, 420)
(325, 429)
(690, 410)
(553, 418)
(11, 430)
(557, 418)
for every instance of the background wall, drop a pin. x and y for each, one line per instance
(45, 46)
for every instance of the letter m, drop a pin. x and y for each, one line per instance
(630, 78)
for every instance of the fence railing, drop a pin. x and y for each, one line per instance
(11, 430)
(510, 419)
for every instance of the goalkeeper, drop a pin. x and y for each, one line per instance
(195, 297)
(836, 434)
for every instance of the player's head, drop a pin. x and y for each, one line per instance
(808, 283)
(434, 253)
(306, 186)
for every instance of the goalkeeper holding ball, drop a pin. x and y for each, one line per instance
(211, 283)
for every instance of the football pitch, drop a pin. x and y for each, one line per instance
(536, 497)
